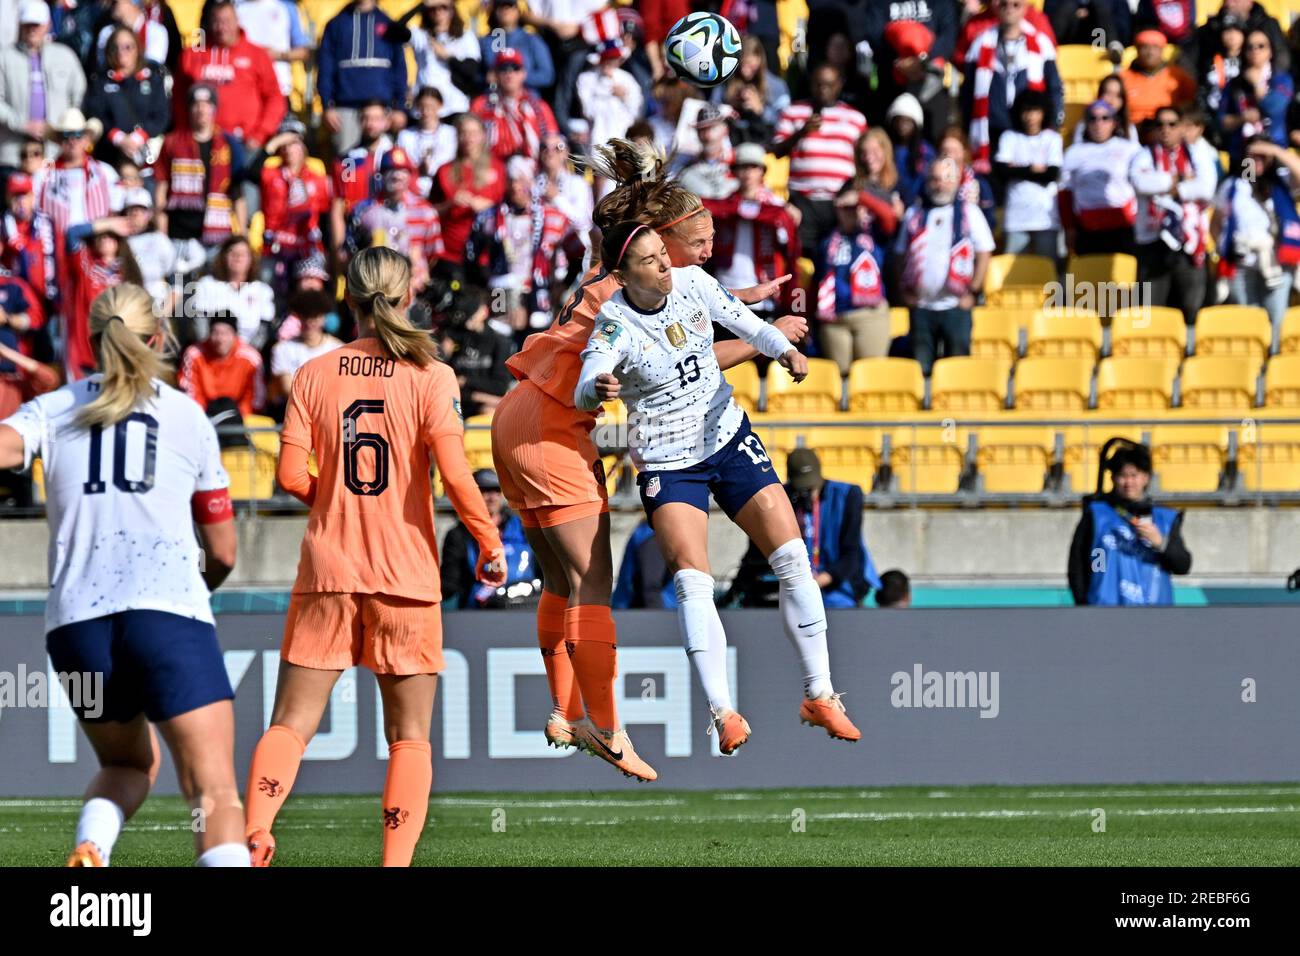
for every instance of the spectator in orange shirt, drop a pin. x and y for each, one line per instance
(223, 366)
(1151, 83)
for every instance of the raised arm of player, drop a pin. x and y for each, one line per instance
(735, 351)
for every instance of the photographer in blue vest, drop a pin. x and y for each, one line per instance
(1125, 548)
(830, 515)
(460, 587)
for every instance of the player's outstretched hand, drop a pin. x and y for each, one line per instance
(491, 568)
(795, 363)
(764, 290)
(793, 327)
(607, 387)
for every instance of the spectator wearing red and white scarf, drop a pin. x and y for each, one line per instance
(1171, 228)
(1100, 182)
(819, 136)
(988, 17)
(1001, 62)
(75, 188)
(516, 119)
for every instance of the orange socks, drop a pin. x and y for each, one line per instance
(559, 669)
(271, 775)
(593, 647)
(406, 799)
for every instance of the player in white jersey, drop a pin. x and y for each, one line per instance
(652, 346)
(131, 466)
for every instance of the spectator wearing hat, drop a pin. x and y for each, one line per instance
(1150, 83)
(360, 60)
(1028, 164)
(1002, 62)
(223, 366)
(520, 249)
(39, 82)
(913, 42)
(276, 27)
(708, 175)
(97, 258)
(610, 96)
(294, 198)
(398, 218)
(429, 141)
(941, 256)
(895, 590)
(355, 175)
(1256, 102)
(250, 105)
(154, 252)
(447, 55)
(818, 135)
(76, 188)
(852, 311)
(460, 587)
(27, 247)
(913, 153)
(756, 238)
(1206, 42)
(1125, 548)
(130, 97)
(515, 118)
(1095, 196)
(310, 310)
(153, 42)
(196, 176)
(476, 352)
(829, 514)
(505, 29)
(571, 28)
(462, 189)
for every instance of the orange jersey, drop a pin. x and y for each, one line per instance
(552, 360)
(372, 422)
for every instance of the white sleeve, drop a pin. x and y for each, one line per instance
(212, 475)
(981, 236)
(609, 344)
(33, 427)
(1146, 179)
(1203, 187)
(728, 311)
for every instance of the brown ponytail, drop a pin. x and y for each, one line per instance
(641, 190)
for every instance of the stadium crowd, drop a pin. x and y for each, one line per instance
(234, 169)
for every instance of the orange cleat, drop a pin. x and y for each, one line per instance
(828, 712)
(733, 730)
(86, 854)
(615, 747)
(261, 846)
(562, 733)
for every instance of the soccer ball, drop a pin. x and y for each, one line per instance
(703, 48)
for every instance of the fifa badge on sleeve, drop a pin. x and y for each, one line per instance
(677, 335)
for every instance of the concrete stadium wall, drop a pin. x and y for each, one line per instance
(931, 545)
(943, 697)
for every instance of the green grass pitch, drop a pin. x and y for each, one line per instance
(1184, 825)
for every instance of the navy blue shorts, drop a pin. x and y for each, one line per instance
(734, 473)
(151, 661)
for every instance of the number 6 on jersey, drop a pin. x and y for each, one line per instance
(354, 441)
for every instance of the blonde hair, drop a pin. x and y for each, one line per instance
(378, 280)
(888, 171)
(127, 336)
(642, 191)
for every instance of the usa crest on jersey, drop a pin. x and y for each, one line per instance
(699, 321)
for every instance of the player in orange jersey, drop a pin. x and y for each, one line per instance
(378, 413)
(553, 477)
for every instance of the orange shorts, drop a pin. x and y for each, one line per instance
(548, 466)
(390, 635)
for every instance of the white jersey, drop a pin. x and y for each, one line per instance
(118, 503)
(679, 405)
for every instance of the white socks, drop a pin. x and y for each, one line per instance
(804, 615)
(702, 633)
(225, 854)
(100, 822)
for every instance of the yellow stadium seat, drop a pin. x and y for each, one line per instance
(256, 228)
(803, 273)
(777, 175)
(1127, 383)
(251, 471)
(1290, 338)
(848, 454)
(1224, 383)
(478, 448)
(1188, 458)
(1018, 280)
(1271, 461)
(1282, 382)
(263, 434)
(1101, 283)
(188, 14)
(321, 12)
(927, 460)
(38, 480)
(969, 384)
(885, 385)
(1234, 330)
(744, 382)
(900, 321)
(1065, 334)
(1081, 67)
(1053, 384)
(1014, 459)
(792, 22)
(820, 392)
(995, 333)
(1150, 332)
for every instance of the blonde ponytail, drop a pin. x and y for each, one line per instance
(379, 279)
(642, 190)
(126, 335)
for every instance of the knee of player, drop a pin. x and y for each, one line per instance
(692, 584)
(790, 560)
